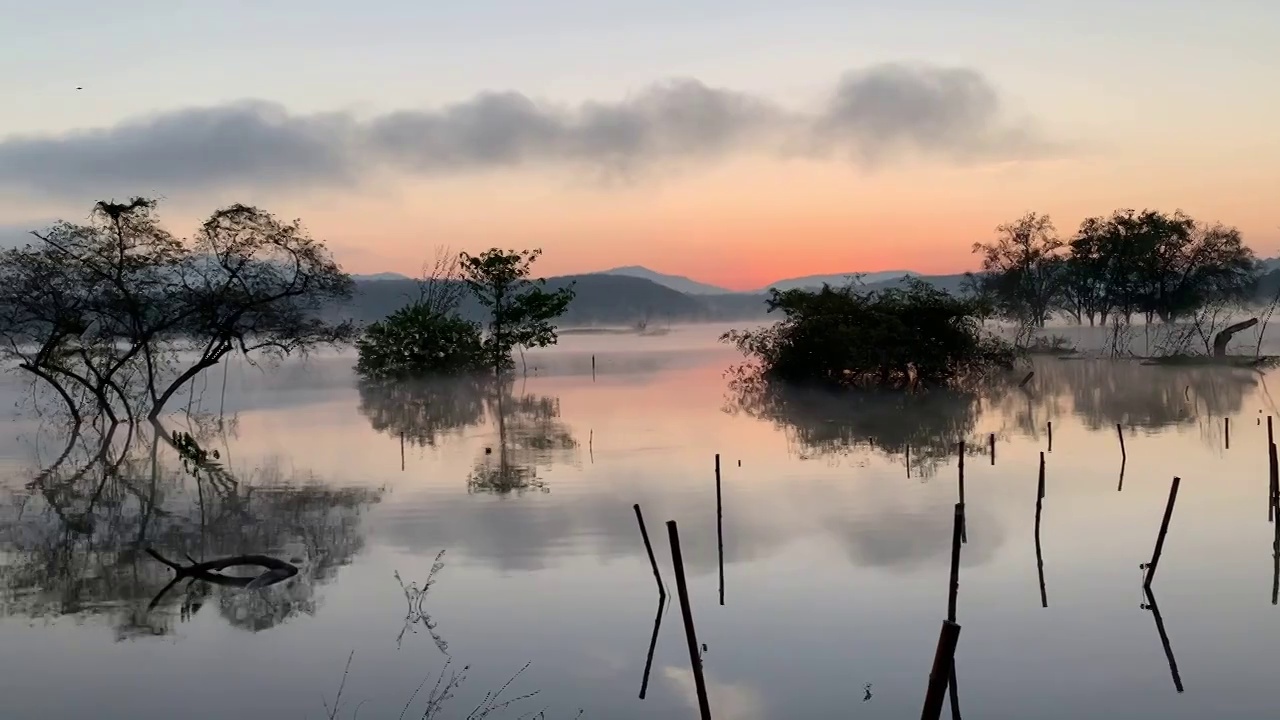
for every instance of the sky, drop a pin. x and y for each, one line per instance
(734, 141)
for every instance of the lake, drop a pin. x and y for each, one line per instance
(837, 526)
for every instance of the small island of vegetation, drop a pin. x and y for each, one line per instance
(429, 337)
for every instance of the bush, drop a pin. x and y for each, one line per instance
(416, 341)
(915, 335)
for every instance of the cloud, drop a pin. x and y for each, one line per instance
(873, 115)
(732, 701)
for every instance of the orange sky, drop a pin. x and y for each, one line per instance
(745, 223)
(378, 125)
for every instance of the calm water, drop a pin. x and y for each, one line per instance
(835, 552)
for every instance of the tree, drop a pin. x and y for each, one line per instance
(1022, 265)
(427, 336)
(912, 336)
(109, 313)
(520, 310)
(415, 341)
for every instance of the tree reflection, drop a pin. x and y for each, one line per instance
(425, 410)
(528, 432)
(1102, 393)
(72, 540)
(920, 428)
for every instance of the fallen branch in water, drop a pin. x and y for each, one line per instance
(276, 571)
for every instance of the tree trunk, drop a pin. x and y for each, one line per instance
(1221, 339)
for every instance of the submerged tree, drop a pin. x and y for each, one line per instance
(121, 313)
(1147, 263)
(1022, 267)
(427, 336)
(520, 310)
(911, 336)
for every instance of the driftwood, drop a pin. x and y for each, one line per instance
(276, 571)
(1221, 340)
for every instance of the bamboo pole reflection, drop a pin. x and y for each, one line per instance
(653, 644)
(1164, 636)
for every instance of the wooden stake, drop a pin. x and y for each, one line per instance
(401, 452)
(593, 368)
(964, 531)
(1040, 484)
(954, 590)
(1226, 432)
(1044, 595)
(1050, 425)
(682, 590)
(1164, 529)
(1274, 495)
(940, 675)
(1120, 433)
(992, 442)
(720, 528)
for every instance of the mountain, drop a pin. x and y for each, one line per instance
(953, 284)
(678, 283)
(600, 299)
(817, 281)
(380, 276)
(609, 299)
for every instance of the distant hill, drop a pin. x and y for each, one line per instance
(817, 281)
(381, 276)
(600, 300)
(678, 283)
(609, 299)
(953, 284)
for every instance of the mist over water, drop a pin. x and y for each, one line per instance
(837, 528)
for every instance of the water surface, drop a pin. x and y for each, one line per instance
(837, 521)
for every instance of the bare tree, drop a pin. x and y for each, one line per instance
(440, 289)
(109, 313)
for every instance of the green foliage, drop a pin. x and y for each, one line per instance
(915, 335)
(1149, 263)
(520, 310)
(415, 341)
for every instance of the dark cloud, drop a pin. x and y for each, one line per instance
(874, 114)
(952, 112)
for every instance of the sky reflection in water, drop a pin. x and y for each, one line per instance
(836, 555)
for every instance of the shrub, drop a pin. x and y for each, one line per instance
(416, 341)
(914, 335)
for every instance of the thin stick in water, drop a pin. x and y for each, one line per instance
(1044, 595)
(1164, 530)
(719, 528)
(964, 531)
(954, 590)
(682, 590)
(1273, 472)
(1050, 426)
(1120, 434)
(1226, 432)
(992, 442)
